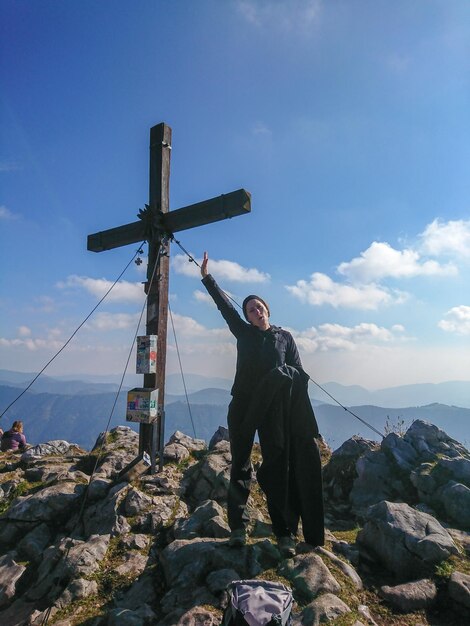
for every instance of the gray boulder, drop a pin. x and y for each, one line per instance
(207, 520)
(69, 560)
(56, 447)
(413, 596)
(221, 434)
(209, 478)
(10, 573)
(309, 576)
(325, 608)
(408, 542)
(459, 589)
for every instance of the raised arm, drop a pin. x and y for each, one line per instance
(205, 261)
(235, 323)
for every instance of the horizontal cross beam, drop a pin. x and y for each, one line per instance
(213, 210)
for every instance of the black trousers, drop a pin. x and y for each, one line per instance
(241, 471)
(303, 475)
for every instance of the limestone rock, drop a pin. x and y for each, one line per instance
(57, 447)
(197, 616)
(10, 573)
(347, 569)
(413, 596)
(192, 445)
(142, 587)
(189, 562)
(310, 576)
(102, 517)
(126, 617)
(459, 588)
(77, 589)
(119, 447)
(206, 521)
(176, 452)
(219, 580)
(136, 501)
(340, 473)
(63, 563)
(407, 542)
(221, 434)
(33, 544)
(208, 479)
(50, 504)
(325, 608)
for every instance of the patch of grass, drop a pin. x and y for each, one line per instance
(24, 488)
(112, 437)
(80, 611)
(444, 570)
(347, 535)
(397, 426)
(454, 563)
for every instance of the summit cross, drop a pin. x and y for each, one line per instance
(155, 224)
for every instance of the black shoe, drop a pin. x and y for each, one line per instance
(286, 546)
(237, 538)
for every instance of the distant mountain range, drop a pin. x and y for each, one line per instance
(453, 393)
(78, 410)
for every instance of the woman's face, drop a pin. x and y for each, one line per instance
(257, 314)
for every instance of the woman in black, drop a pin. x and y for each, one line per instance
(270, 395)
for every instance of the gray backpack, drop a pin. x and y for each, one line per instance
(258, 603)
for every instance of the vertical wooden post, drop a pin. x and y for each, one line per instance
(151, 439)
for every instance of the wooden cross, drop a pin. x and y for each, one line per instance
(155, 223)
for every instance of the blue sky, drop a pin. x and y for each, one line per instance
(347, 121)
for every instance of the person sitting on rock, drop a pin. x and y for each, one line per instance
(14, 438)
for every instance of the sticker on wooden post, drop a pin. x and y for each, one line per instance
(146, 354)
(142, 405)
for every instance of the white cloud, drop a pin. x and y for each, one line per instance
(337, 337)
(223, 270)
(32, 344)
(292, 15)
(189, 327)
(113, 321)
(6, 214)
(458, 320)
(450, 238)
(321, 289)
(24, 331)
(380, 260)
(123, 291)
(203, 296)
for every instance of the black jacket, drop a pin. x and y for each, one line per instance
(290, 474)
(258, 351)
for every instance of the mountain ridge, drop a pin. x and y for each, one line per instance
(451, 393)
(80, 418)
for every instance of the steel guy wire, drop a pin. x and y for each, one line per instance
(104, 434)
(182, 373)
(193, 260)
(72, 335)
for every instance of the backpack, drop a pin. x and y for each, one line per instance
(258, 603)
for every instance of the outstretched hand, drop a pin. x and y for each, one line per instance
(205, 261)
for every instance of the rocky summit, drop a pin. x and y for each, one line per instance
(89, 538)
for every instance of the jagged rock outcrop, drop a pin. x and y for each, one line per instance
(82, 544)
(424, 466)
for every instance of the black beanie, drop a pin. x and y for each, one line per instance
(253, 297)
